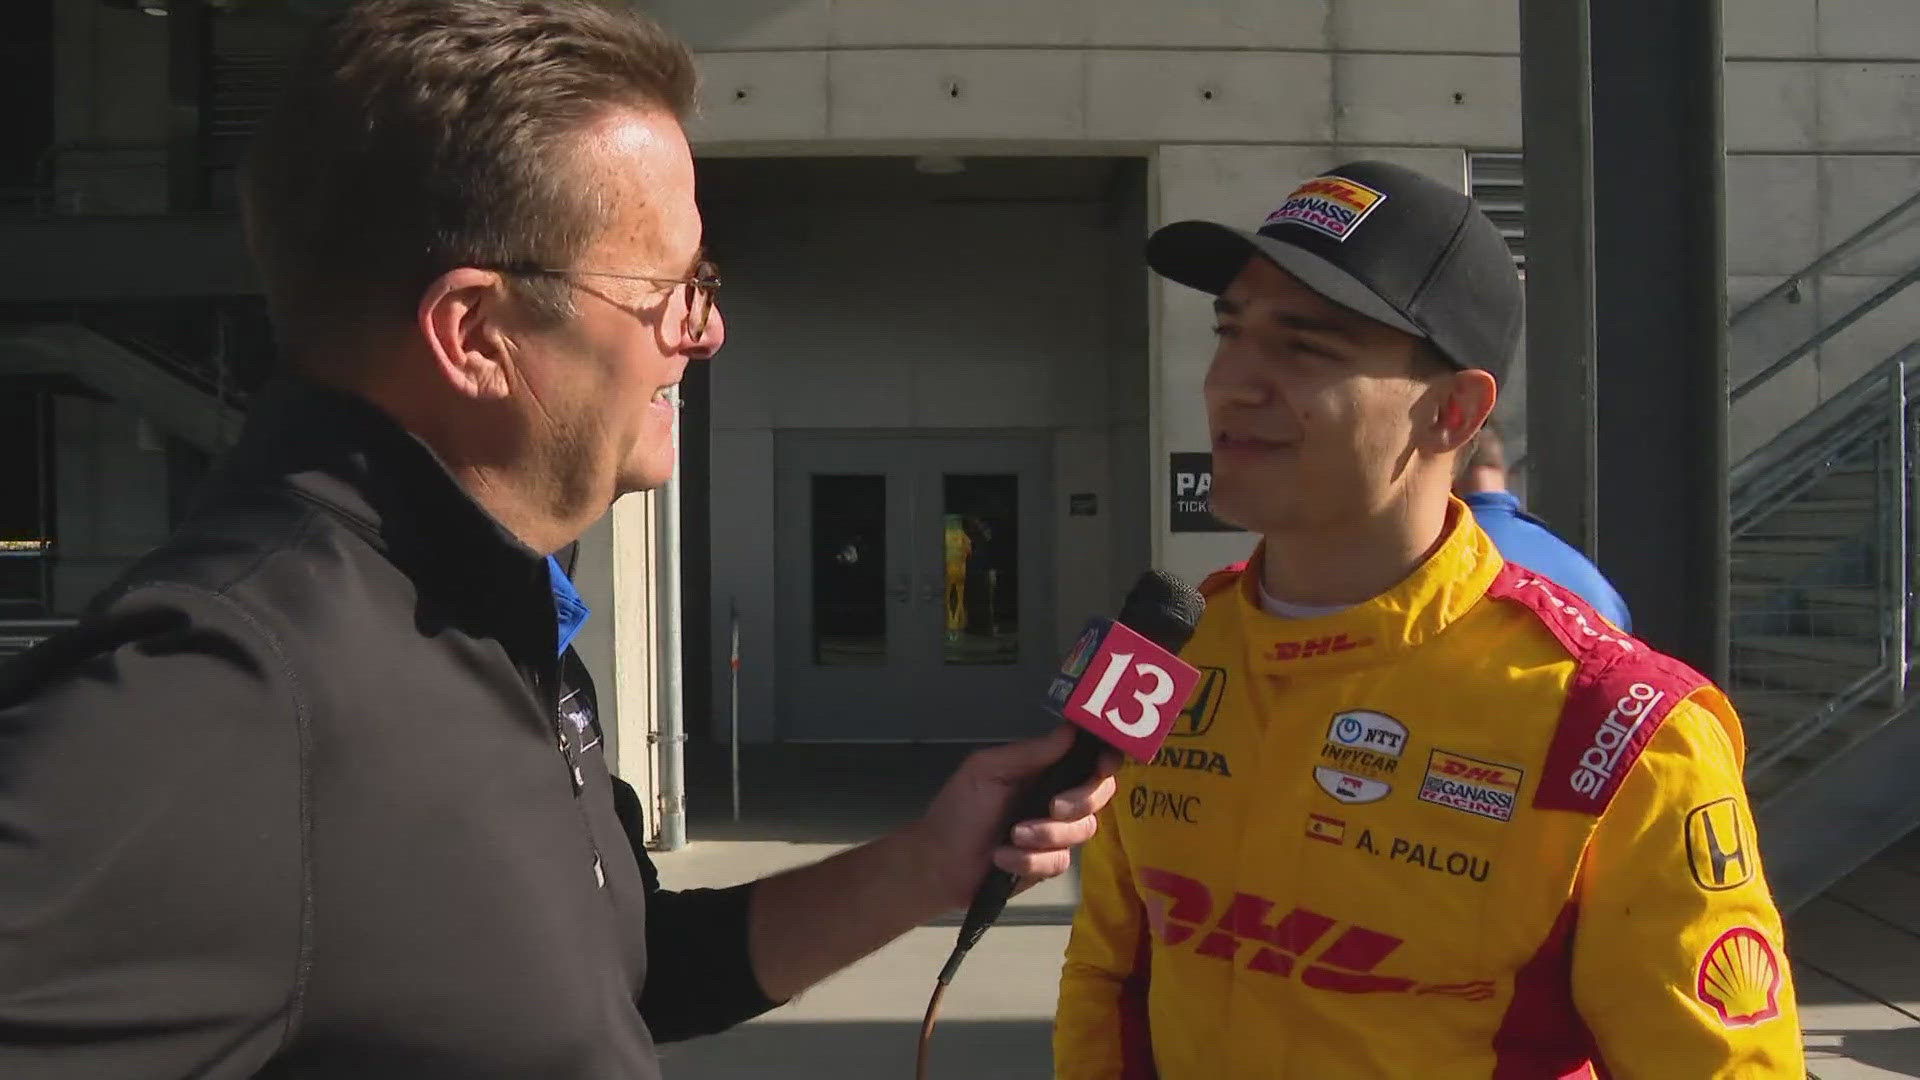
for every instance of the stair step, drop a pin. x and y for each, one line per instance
(1834, 596)
(1816, 516)
(1775, 608)
(1840, 733)
(1848, 651)
(1780, 545)
(1800, 559)
(1822, 665)
(1851, 481)
(1773, 707)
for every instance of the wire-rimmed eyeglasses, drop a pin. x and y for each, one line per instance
(700, 287)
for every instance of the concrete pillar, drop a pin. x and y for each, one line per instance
(615, 576)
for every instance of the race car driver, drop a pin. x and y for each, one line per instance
(1428, 814)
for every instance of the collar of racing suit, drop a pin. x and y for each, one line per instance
(1423, 605)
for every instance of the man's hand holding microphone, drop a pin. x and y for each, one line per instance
(1120, 691)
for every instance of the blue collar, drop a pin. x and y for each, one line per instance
(1493, 500)
(569, 610)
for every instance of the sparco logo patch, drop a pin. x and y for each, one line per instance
(1332, 205)
(1616, 733)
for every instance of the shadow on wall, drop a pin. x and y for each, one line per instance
(1005, 1049)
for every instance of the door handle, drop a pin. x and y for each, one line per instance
(930, 594)
(901, 591)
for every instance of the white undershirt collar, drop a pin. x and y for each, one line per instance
(1286, 609)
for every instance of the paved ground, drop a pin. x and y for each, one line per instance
(806, 803)
(1856, 950)
(1856, 957)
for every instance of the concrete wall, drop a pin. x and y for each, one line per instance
(1230, 103)
(110, 109)
(1823, 135)
(110, 495)
(1822, 100)
(868, 315)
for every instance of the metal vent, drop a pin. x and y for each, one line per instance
(1500, 189)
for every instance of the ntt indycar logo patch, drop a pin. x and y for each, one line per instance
(1361, 756)
(1333, 205)
(1598, 761)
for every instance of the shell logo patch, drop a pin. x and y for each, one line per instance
(1740, 978)
(1330, 205)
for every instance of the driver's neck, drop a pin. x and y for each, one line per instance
(1356, 561)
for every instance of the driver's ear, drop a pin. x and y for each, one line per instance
(1457, 410)
(463, 316)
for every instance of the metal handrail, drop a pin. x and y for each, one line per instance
(1871, 231)
(1777, 489)
(1825, 334)
(19, 635)
(1763, 757)
(1814, 435)
(166, 360)
(1875, 411)
(1828, 258)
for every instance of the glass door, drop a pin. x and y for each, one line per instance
(914, 598)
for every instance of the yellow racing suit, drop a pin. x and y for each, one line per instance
(1468, 829)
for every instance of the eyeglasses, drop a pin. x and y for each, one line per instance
(700, 287)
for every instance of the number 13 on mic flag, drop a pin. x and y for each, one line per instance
(1122, 688)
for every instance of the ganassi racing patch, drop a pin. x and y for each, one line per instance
(1471, 785)
(1333, 205)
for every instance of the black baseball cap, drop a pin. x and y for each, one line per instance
(1379, 239)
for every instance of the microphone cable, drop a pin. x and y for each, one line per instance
(1164, 611)
(926, 1028)
(970, 932)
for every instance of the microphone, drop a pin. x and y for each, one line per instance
(1122, 686)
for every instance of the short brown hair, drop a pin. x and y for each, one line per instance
(415, 136)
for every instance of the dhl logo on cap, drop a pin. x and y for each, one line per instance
(1333, 205)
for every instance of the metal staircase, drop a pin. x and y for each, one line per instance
(168, 392)
(1823, 558)
(174, 395)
